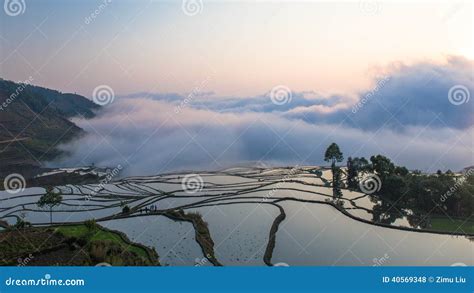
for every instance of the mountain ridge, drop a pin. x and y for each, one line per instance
(33, 121)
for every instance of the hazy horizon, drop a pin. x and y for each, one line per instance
(333, 48)
(206, 84)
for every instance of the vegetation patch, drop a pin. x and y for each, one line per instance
(450, 225)
(267, 257)
(77, 245)
(203, 235)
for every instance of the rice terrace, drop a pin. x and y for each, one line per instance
(243, 216)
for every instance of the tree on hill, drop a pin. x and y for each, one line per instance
(351, 174)
(336, 189)
(334, 155)
(50, 199)
(401, 171)
(354, 167)
(382, 166)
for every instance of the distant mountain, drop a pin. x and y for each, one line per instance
(33, 121)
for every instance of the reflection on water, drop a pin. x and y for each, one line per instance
(240, 206)
(174, 241)
(240, 232)
(320, 235)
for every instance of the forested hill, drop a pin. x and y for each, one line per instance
(33, 121)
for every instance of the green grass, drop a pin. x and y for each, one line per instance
(98, 234)
(447, 224)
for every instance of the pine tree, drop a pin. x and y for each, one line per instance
(334, 155)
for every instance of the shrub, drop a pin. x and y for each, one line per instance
(21, 224)
(126, 209)
(91, 224)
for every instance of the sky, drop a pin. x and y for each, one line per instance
(211, 84)
(412, 116)
(241, 48)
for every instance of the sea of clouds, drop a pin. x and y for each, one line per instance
(407, 115)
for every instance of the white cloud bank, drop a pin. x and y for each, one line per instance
(409, 118)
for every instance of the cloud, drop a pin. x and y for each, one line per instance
(418, 95)
(406, 116)
(258, 104)
(405, 96)
(402, 96)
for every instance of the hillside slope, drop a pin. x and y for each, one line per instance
(33, 121)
